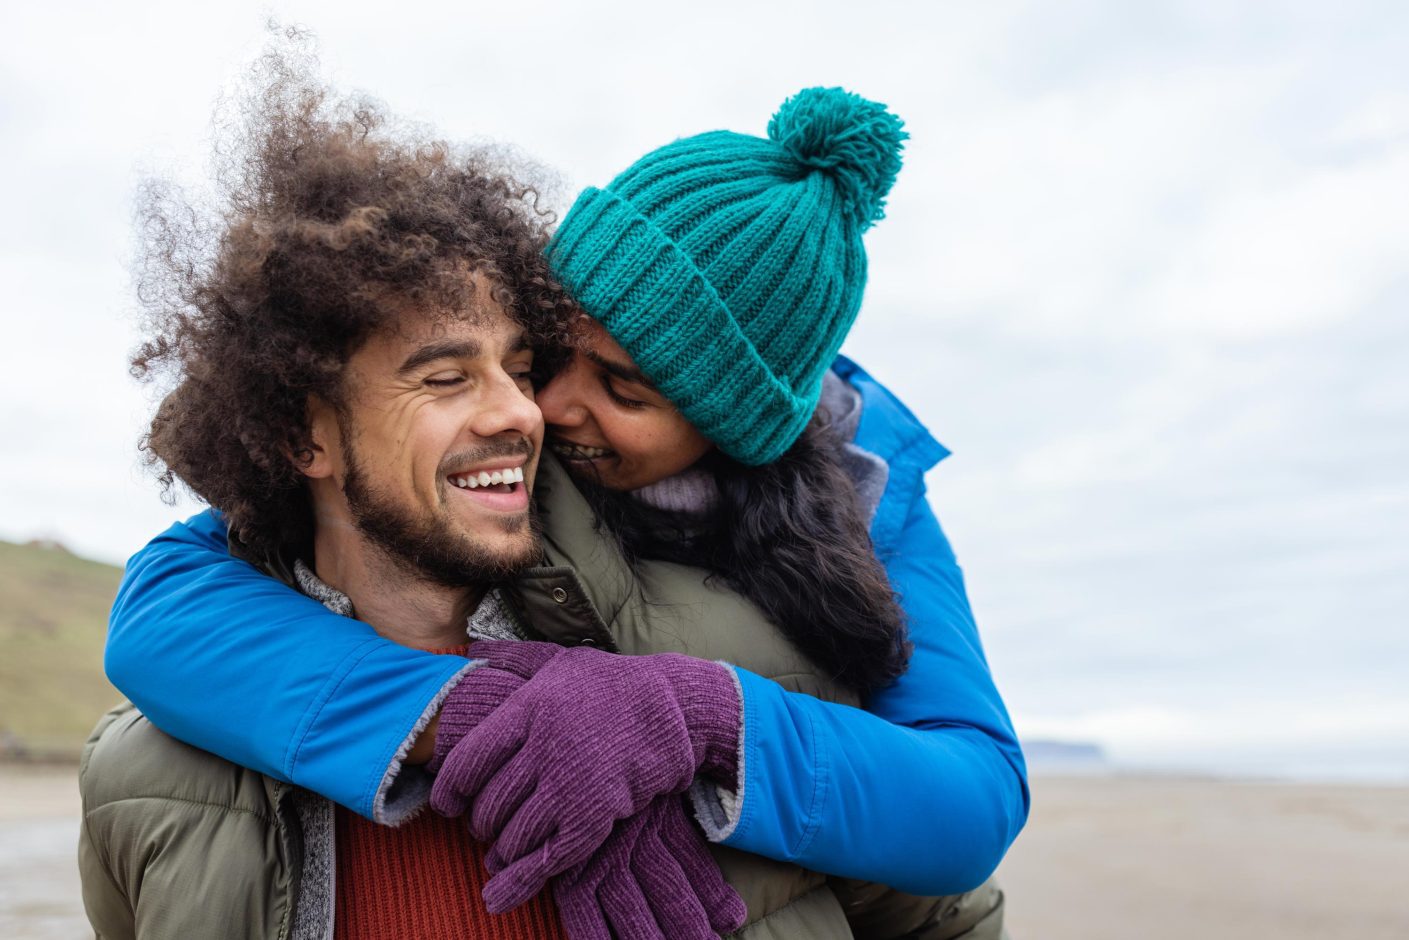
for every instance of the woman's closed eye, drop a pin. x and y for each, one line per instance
(617, 395)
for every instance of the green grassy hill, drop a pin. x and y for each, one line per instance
(53, 618)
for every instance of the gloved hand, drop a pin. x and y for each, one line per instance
(590, 738)
(653, 879)
(508, 664)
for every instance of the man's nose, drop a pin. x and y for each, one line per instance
(506, 407)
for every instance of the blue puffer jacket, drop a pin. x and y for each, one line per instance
(924, 790)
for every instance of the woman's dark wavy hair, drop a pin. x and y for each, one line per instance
(790, 537)
(328, 222)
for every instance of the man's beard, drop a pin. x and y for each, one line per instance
(427, 545)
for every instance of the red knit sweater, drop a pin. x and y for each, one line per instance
(422, 880)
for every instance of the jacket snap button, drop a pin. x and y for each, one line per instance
(560, 595)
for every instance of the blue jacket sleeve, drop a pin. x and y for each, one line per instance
(230, 660)
(926, 788)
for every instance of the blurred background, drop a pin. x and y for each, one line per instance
(1144, 273)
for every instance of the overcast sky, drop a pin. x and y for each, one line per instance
(1144, 272)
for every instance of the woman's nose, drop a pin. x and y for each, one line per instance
(561, 399)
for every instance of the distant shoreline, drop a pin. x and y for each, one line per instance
(63, 759)
(1382, 780)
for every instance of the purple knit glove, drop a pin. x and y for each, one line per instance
(590, 739)
(653, 879)
(508, 665)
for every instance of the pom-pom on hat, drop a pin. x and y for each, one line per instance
(730, 267)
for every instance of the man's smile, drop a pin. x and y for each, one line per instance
(499, 488)
(505, 477)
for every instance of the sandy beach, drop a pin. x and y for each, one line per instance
(39, 811)
(1103, 858)
(1162, 858)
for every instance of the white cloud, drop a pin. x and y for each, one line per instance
(1308, 253)
(1142, 271)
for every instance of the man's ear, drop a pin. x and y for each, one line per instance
(315, 460)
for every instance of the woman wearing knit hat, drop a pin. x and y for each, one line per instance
(731, 267)
(722, 272)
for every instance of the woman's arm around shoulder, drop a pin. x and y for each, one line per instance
(228, 659)
(926, 788)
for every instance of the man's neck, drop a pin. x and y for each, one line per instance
(397, 604)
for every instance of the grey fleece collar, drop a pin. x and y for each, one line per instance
(318, 589)
(491, 620)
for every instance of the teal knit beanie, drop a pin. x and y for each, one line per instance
(730, 267)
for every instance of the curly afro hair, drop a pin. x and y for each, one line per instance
(324, 214)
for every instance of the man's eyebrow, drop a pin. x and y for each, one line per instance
(621, 370)
(447, 349)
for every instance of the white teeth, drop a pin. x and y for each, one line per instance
(470, 481)
(580, 451)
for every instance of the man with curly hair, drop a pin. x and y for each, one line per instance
(352, 341)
